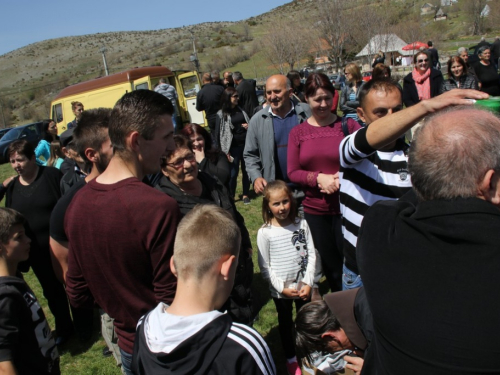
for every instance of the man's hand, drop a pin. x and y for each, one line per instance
(452, 97)
(259, 184)
(354, 363)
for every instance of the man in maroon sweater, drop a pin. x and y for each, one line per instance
(121, 231)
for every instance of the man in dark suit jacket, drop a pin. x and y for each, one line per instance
(246, 90)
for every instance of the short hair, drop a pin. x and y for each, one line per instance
(429, 43)
(271, 186)
(137, 111)
(162, 80)
(9, 218)
(354, 70)
(426, 53)
(92, 130)
(206, 77)
(76, 104)
(456, 59)
(317, 81)
(215, 74)
(379, 85)
(22, 147)
(380, 70)
(448, 164)
(198, 247)
(481, 49)
(462, 50)
(313, 319)
(180, 141)
(237, 76)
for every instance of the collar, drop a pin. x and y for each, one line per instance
(290, 111)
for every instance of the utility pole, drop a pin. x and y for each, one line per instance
(194, 57)
(103, 50)
(3, 117)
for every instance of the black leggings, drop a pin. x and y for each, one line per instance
(326, 232)
(284, 307)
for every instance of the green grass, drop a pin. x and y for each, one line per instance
(78, 358)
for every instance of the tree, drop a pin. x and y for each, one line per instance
(473, 9)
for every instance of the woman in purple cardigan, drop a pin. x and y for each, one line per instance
(313, 162)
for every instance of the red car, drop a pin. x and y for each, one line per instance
(367, 76)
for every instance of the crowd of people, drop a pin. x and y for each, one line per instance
(140, 222)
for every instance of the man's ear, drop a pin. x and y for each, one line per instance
(489, 187)
(361, 114)
(91, 154)
(330, 335)
(227, 263)
(172, 266)
(132, 142)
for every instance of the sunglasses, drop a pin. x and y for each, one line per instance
(421, 61)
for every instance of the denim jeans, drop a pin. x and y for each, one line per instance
(126, 362)
(350, 280)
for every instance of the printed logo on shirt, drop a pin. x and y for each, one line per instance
(403, 174)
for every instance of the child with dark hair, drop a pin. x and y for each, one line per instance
(26, 342)
(287, 260)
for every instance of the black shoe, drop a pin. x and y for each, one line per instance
(246, 200)
(106, 352)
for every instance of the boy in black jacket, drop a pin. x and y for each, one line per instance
(190, 336)
(26, 342)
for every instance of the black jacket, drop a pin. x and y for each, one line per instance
(410, 93)
(248, 97)
(208, 100)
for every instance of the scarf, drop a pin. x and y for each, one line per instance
(422, 83)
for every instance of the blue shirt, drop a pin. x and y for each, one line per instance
(282, 128)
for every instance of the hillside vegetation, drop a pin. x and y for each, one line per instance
(33, 75)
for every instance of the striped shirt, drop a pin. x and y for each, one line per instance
(367, 176)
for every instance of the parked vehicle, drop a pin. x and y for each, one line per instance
(4, 131)
(335, 80)
(105, 92)
(367, 76)
(30, 132)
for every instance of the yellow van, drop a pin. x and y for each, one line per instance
(105, 92)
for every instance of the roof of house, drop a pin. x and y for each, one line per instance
(384, 43)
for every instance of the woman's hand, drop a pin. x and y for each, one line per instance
(199, 153)
(8, 180)
(245, 126)
(354, 363)
(290, 293)
(305, 292)
(328, 183)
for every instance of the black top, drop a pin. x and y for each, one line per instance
(488, 76)
(208, 100)
(418, 265)
(217, 166)
(57, 231)
(410, 93)
(25, 336)
(239, 132)
(36, 202)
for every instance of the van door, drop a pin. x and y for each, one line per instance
(188, 86)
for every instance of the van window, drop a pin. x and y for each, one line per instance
(57, 113)
(142, 86)
(190, 86)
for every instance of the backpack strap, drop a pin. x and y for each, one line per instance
(345, 129)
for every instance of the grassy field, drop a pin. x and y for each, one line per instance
(86, 358)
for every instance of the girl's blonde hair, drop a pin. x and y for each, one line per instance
(272, 186)
(55, 153)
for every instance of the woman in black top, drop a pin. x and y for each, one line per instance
(34, 193)
(231, 124)
(486, 72)
(209, 158)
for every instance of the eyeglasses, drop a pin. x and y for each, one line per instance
(421, 61)
(179, 163)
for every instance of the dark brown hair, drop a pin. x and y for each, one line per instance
(180, 141)
(459, 60)
(317, 81)
(380, 70)
(22, 147)
(191, 130)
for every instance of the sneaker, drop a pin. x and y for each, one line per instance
(293, 368)
(246, 200)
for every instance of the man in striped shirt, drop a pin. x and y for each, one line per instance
(370, 172)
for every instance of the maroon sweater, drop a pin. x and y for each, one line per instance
(313, 150)
(121, 239)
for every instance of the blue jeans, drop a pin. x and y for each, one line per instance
(350, 280)
(237, 153)
(126, 362)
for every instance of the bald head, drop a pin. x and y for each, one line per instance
(452, 152)
(278, 91)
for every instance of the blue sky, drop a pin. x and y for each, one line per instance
(29, 21)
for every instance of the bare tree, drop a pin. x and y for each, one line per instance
(285, 44)
(473, 9)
